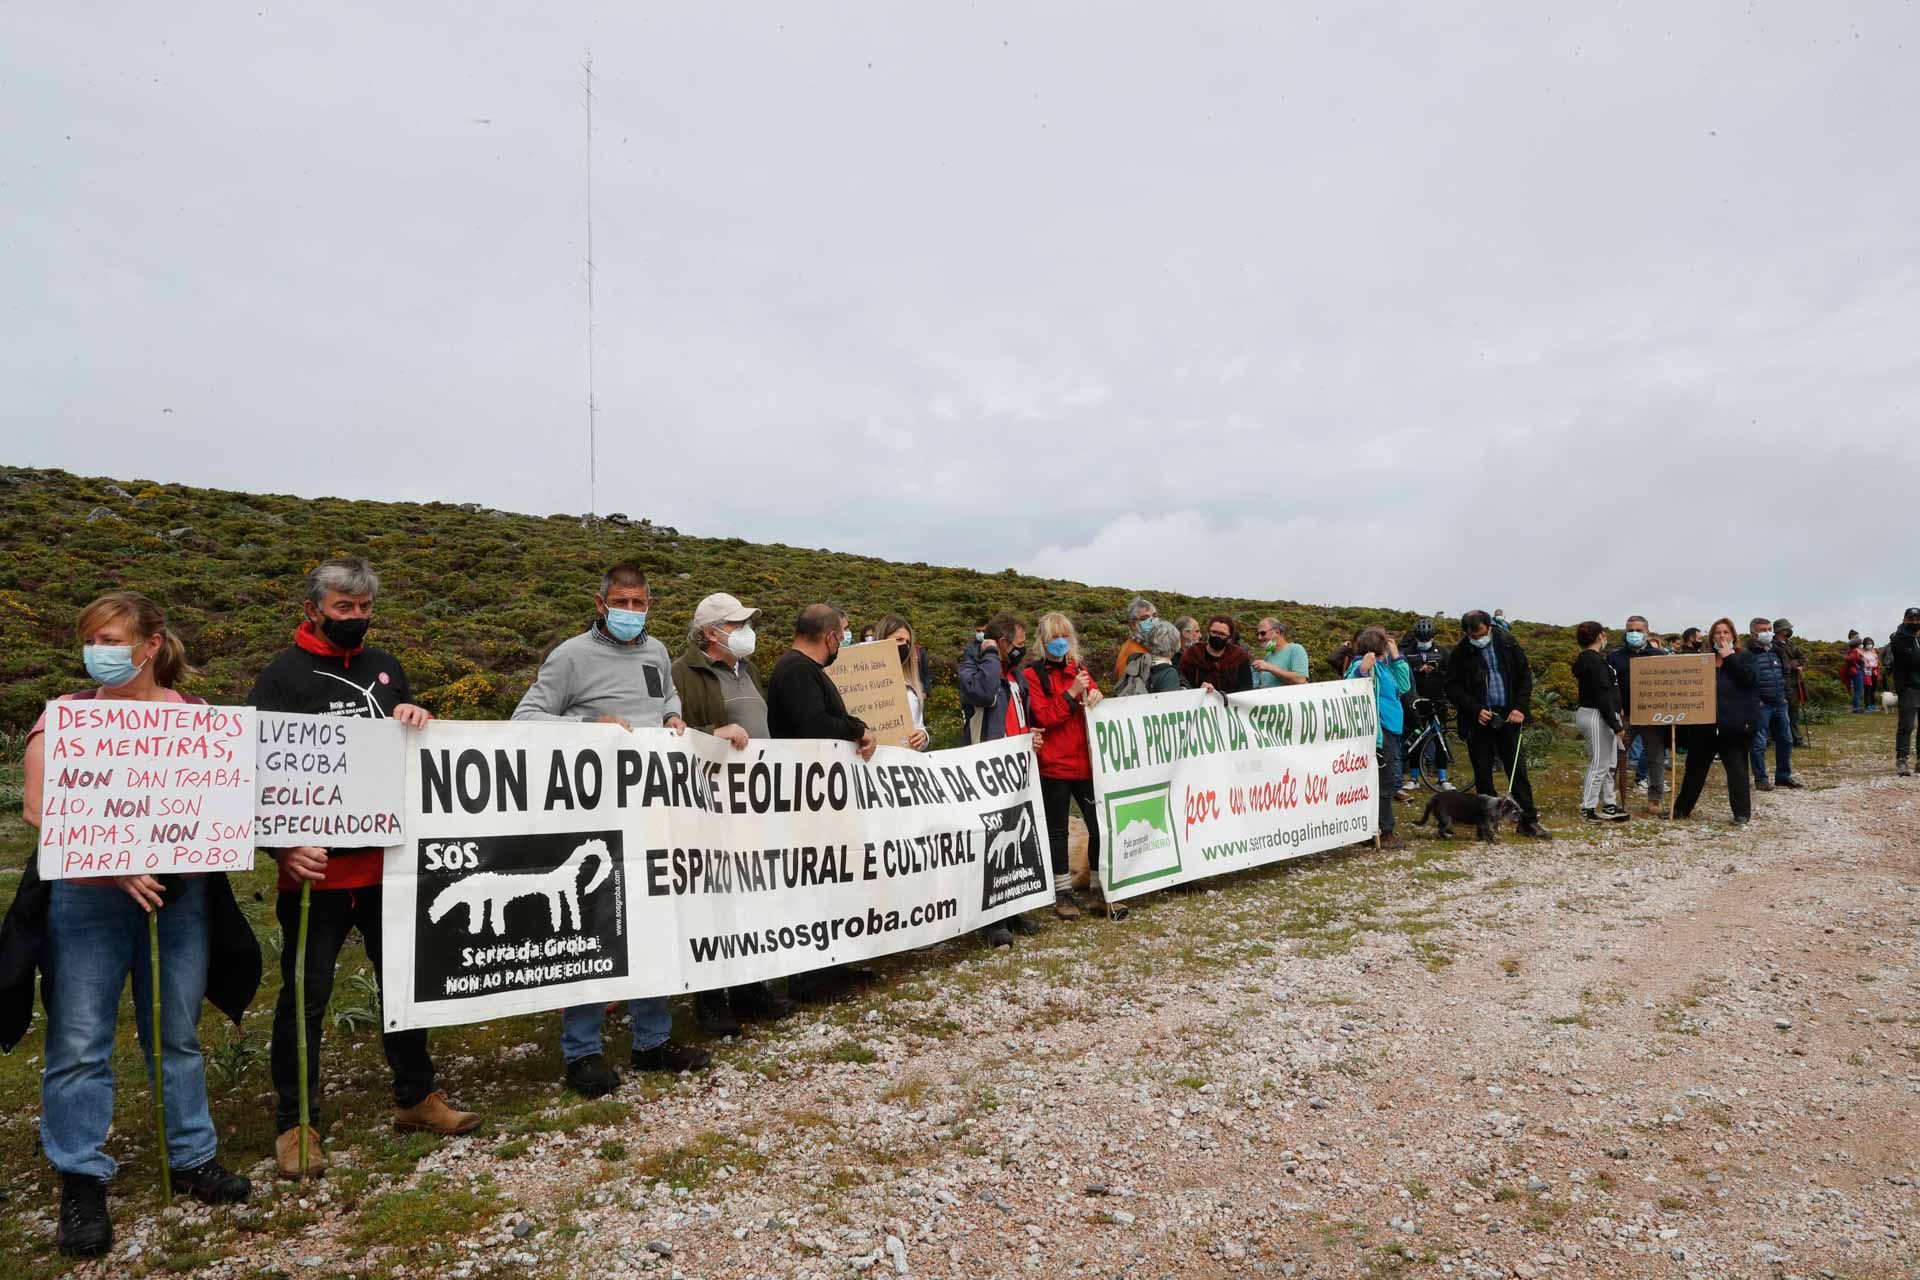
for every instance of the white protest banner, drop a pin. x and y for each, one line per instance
(1189, 787)
(328, 780)
(549, 865)
(146, 788)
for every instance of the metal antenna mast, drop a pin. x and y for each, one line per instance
(593, 408)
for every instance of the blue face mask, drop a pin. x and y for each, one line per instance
(626, 625)
(1057, 648)
(110, 664)
(1636, 639)
(1481, 642)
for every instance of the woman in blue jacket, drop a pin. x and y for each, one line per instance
(1377, 658)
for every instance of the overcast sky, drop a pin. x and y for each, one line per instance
(1572, 309)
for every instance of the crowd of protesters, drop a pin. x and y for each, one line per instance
(89, 937)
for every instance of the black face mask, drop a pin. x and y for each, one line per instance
(1912, 628)
(906, 653)
(1217, 643)
(1016, 653)
(345, 633)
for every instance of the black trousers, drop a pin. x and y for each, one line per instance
(1734, 750)
(1500, 741)
(1059, 795)
(333, 914)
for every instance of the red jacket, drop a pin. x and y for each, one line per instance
(1063, 748)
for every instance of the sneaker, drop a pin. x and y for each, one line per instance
(714, 1012)
(1762, 784)
(286, 1153)
(591, 1077)
(85, 1229)
(1791, 784)
(1614, 813)
(1020, 926)
(997, 935)
(1741, 822)
(1592, 815)
(1447, 786)
(1405, 794)
(432, 1114)
(1065, 907)
(214, 1184)
(760, 1002)
(670, 1055)
(1902, 770)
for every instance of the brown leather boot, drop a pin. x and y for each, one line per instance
(432, 1115)
(286, 1153)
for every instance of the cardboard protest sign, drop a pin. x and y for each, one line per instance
(1673, 689)
(327, 780)
(146, 788)
(548, 865)
(1189, 788)
(873, 684)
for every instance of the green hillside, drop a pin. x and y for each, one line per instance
(472, 598)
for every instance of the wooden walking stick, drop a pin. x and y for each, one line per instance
(1673, 769)
(159, 1055)
(300, 1017)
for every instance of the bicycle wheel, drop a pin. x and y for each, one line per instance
(1428, 761)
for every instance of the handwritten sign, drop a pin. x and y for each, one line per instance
(334, 781)
(874, 687)
(1677, 689)
(146, 788)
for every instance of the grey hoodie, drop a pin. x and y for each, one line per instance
(593, 675)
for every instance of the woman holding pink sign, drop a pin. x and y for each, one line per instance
(93, 934)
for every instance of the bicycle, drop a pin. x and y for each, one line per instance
(1426, 750)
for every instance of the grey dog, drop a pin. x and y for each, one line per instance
(1485, 812)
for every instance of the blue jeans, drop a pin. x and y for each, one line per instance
(580, 1026)
(1773, 725)
(1859, 684)
(1637, 757)
(96, 937)
(1389, 777)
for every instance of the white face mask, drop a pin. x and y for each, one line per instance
(740, 643)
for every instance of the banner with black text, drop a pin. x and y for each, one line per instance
(549, 865)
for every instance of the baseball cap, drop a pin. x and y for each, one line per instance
(721, 607)
(1913, 614)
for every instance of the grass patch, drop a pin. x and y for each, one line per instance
(851, 1051)
(434, 1210)
(694, 1163)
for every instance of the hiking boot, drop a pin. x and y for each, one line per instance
(432, 1115)
(1098, 905)
(760, 1002)
(997, 935)
(212, 1183)
(1741, 821)
(286, 1153)
(670, 1055)
(1791, 784)
(1902, 770)
(1065, 907)
(85, 1229)
(1531, 828)
(1391, 840)
(714, 1012)
(1020, 926)
(591, 1077)
(1762, 784)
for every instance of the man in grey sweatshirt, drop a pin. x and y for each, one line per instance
(615, 673)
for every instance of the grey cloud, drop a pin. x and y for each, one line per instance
(1588, 311)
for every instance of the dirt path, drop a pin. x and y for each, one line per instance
(1686, 1051)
